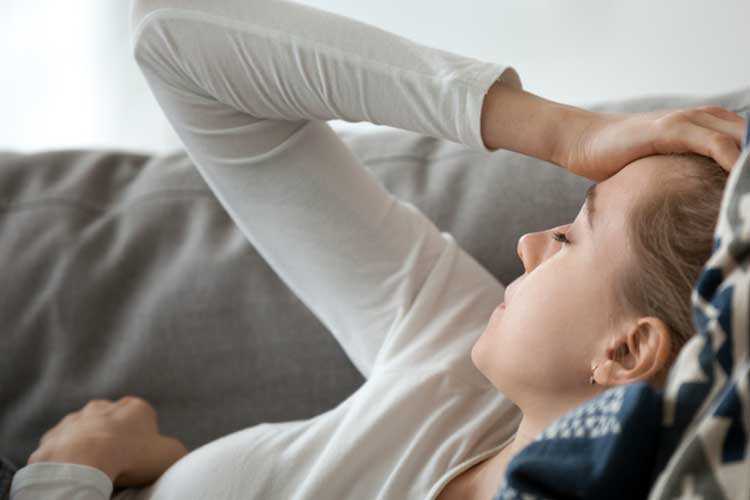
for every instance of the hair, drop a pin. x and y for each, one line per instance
(670, 231)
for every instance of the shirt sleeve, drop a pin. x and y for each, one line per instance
(247, 86)
(60, 481)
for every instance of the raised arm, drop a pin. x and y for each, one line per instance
(283, 60)
(247, 86)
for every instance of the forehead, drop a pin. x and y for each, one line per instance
(625, 186)
(615, 195)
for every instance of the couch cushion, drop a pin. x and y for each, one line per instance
(124, 275)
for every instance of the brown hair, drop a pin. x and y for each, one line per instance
(670, 231)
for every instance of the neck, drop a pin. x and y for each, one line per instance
(540, 413)
(530, 427)
(534, 421)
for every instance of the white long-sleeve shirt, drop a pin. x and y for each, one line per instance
(248, 86)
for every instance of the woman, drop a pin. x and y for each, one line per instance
(449, 398)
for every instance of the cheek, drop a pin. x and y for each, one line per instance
(505, 352)
(521, 331)
(539, 334)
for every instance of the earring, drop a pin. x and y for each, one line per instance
(591, 378)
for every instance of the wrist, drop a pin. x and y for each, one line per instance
(93, 453)
(520, 121)
(575, 125)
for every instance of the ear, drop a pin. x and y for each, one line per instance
(639, 354)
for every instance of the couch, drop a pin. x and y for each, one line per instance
(123, 275)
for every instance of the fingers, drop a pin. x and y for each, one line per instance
(725, 114)
(46, 436)
(699, 130)
(98, 405)
(721, 147)
(720, 120)
(164, 452)
(129, 404)
(158, 455)
(175, 449)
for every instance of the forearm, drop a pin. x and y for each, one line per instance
(520, 121)
(279, 60)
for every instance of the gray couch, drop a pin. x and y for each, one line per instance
(122, 274)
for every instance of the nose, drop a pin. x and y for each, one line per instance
(524, 251)
(533, 248)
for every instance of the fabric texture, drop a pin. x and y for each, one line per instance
(47, 480)
(126, 278)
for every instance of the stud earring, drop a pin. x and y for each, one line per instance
(591, 378)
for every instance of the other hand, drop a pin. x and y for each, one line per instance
(120, 438)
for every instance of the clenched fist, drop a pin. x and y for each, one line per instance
(120, 438)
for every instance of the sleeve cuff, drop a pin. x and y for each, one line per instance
(62, 477)
(487, 75)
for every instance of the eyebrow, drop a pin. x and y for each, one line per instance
(590, 196)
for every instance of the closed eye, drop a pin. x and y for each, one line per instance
(561, 237)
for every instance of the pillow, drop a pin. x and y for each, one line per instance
(121, 274)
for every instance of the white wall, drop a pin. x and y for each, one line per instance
(68, 79)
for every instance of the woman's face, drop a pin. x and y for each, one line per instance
(555, 319)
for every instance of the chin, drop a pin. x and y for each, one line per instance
(475, 354)
(481, 358)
